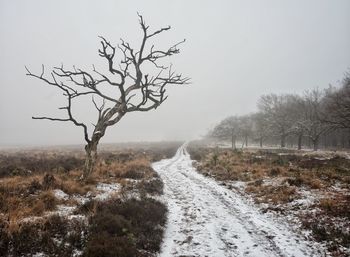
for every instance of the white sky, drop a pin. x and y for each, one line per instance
(235, 52)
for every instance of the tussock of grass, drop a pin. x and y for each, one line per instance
(28, 238)
(336, 206)
(271, 194)
(126, 228)
(131, 169)
(152, 187)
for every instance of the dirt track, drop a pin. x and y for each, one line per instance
(206, 219)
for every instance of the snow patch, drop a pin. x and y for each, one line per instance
(106, 190)
(60, 195)
(82, 199)
(39, 255)
(307, 198)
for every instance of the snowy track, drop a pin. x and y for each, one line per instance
(206, 219)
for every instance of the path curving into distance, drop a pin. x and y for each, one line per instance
(207, 219)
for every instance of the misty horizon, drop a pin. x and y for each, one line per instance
(234, 52)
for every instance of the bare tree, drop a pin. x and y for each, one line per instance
(276, 109)
(226, 130)
(313, 124)
(337, 103)
(297, 106)
(136, 90)
(261, 127)
(245, 127)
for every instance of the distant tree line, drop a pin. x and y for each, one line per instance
(316, 119)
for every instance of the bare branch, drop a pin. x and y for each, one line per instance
(48, 118)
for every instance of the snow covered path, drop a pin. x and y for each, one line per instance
(206, 219)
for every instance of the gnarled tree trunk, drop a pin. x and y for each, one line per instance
(90, 158)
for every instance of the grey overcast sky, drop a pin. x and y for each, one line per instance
(235, 52)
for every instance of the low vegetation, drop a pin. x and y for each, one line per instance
(126, 228)
(313, 189)
(45, 207)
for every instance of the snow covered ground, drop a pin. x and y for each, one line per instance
(206, 219)
(103, 192)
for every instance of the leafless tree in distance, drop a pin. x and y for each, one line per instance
(136, 89)
(227, 129)
(245, 128)
(317, 119)
(337, 103)
(314, 126)
(276, 109)
(260, 127)
(297, 107)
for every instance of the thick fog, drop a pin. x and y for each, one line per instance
(235, 51)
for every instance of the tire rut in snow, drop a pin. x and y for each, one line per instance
(206, 219)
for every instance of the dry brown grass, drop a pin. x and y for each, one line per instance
(27, 182)
(73, 187)
(272, 194)
(328, 204)
(131, 169)
(236, 165)
(16, 200)
(278, 177)
(25, 163)
(337, 205)
(31, 195)
(303, 171)
(21, 197)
